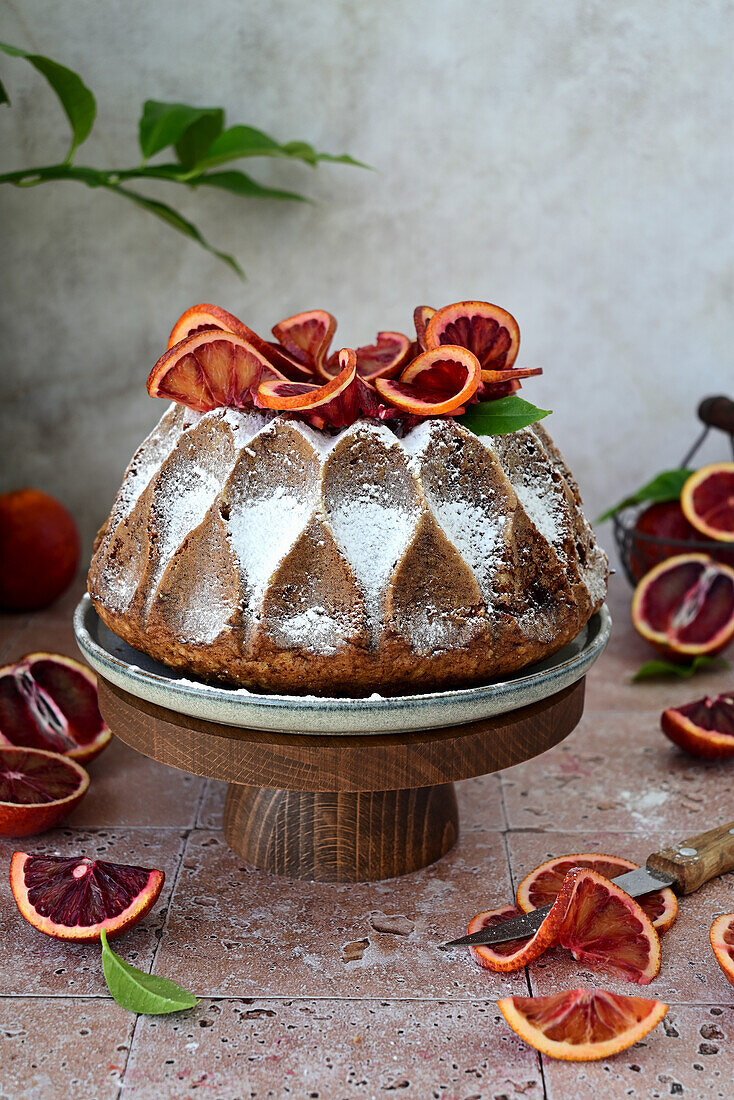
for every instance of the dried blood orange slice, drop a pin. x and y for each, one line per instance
(75, 898)
(489, 332)
(722, 941)
(703, 728)
(38, 789)
(582, 1025)
(513, 954)
(307, 336)
(685, 606)
(50, 702)
(205, 317)
(304, 396)
(421, 317)
(210, 369)
(383, 359)
(437, 382)
(543, 885)
(707, 500)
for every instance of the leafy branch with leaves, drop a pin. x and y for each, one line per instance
(198, 137)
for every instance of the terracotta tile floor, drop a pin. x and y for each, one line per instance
(308, 991)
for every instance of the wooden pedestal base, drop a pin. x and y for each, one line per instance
(344, 808)
(347, 836)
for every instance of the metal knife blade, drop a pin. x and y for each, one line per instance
(635, 883)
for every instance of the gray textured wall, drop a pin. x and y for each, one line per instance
(571, 160)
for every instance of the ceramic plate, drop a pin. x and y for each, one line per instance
(145, 678)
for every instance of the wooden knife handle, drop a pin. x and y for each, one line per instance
(698, 859)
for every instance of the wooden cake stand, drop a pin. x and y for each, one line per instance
(340, 809)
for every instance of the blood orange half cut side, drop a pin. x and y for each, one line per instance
(707, 500)
(211, 369)
(437, 383)
(488, 331)
(75, 898)
(722, 942)
(582, 1025)
(307, 336)
(685, 606)
(543, 885)
(38, 789)
(48, 701)
(702, 728)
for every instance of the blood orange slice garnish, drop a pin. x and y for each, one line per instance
(38, 789)
(436, 383)
(685, 606)
(513, 954)
(305, 396)
(704, 727)
(707, 501)
(205, 317)
(489, 332)
(48, 701)
(543, 885)
(421, 317)
(211, 369)
(722, 942)
(383, 359)
(582, 1025)
(307, 336)
(75, 898)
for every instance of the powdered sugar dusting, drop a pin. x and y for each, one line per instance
(315, 629)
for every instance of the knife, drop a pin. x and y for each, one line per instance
(684, 867)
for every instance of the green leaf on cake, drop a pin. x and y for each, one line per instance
(667, 485)
(137, 991)
(659, 670)
(507, 414)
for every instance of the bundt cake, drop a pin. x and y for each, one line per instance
(385, 554)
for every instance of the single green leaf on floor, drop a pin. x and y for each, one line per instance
(140, 992)
(241, 184)
(172, 217)
(667, 485)
(164, 124)
(75, 97)
(659, 669)
(507, 414)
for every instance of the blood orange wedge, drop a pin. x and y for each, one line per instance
(38, 789)
(210, 369)
(582, 1025)
(205, 317)
(703, 728)
(304, 396)
(383, 359)
(50, 702)
(489, 332)
(436, 383)
(543, 885)
(685, 606)
(707, 500)
(722, 941)
(75, 898)
(307, 336)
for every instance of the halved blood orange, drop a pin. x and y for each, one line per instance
(722, 942)
(305, 396)
(543, 885)
(436, 383)
(210, 369)
(707, 501)
(488, 331)
(421, 317)
(702, 728)
(307, 336)
(513, 954)
(38, 789)
(48, 701)
(582, 1025)
(75, 898)
(685, 606)
(383, 359)
(205, 317)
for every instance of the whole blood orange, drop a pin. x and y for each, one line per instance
(38, 789)
(661, 531)
(582, 1025)
(685, 606)
(75, 898)
(722, 942)
(702, 728)
(39, 550)
(707, 500)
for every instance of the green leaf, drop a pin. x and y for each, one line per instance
(667, 485)
(655, 670)
(164, 124)
(344, 159)
(195, 140)
(140, 992)
(240, 184)
(172, 217)
(508, 414)
(302, 151)
(240, 141)
(75, 97)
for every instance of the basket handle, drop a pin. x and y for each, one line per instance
(717, 412)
